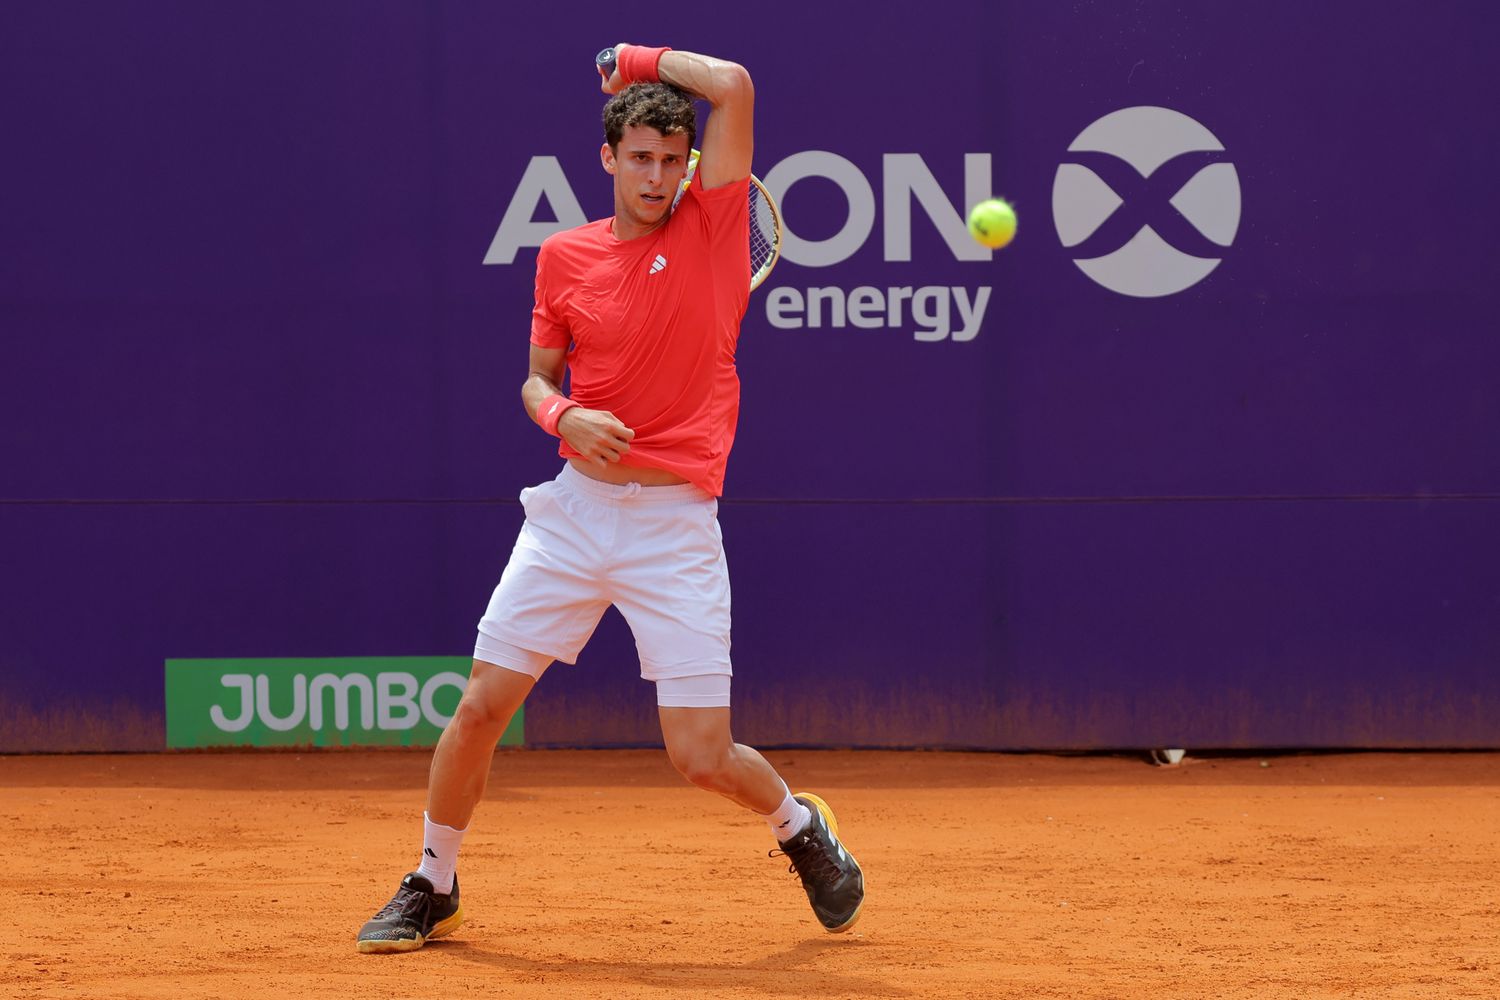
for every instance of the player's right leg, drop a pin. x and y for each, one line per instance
(427, 905)
(461, 762)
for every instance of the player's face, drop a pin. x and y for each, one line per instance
(648, 168)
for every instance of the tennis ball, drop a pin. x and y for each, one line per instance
(993, 223)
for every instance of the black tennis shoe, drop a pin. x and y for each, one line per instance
(414, 915)
(834, 882)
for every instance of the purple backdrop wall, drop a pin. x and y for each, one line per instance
(258, 393)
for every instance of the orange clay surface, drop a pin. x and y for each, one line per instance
(600, 874)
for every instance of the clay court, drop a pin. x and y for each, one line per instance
(601, 874)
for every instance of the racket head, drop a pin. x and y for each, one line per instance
(765, 233)
(765, 223)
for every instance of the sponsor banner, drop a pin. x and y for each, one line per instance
(909, 190)
(1209, 454)
(334, 701)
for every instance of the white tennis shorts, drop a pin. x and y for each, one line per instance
(654, 552)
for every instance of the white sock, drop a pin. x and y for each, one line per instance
(789, 819)
(439, 854)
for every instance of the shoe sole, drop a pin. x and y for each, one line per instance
(443, 928)
(833, 824)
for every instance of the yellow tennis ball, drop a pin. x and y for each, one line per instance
(993, 223)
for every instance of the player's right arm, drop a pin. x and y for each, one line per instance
(729, 133)
(728, 140)
(597, 435)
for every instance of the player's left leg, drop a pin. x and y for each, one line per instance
(670, 580)
(699, 745)
(701, 749)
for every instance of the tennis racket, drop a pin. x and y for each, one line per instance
(765, 224)
(765, 218)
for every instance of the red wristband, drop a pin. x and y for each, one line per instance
(551, 411)
(637, 63)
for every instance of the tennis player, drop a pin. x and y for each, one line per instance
(643, 311)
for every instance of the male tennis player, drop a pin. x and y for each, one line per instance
(644, 309)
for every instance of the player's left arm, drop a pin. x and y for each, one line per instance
(728, 140)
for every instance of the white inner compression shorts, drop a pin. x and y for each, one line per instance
(654, 552)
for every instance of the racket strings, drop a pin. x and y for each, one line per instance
(765, 224)
(765, 237)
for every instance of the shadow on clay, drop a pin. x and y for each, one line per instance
(783, 971)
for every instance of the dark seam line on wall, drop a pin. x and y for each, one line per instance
(1064, 501)
(780, 502)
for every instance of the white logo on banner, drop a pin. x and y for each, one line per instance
(393, 701)
(930, 313)
(1163, 160)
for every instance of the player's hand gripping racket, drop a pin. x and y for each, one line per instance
(765, 218)
(606, 62)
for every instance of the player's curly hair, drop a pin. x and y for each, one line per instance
(655, 105)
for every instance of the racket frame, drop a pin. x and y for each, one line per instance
(757, 277)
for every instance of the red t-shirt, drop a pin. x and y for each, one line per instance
(650, 326)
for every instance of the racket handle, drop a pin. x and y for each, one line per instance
(605, 61)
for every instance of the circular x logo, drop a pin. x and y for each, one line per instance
(1147, 202)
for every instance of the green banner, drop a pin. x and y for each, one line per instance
(338, 701)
